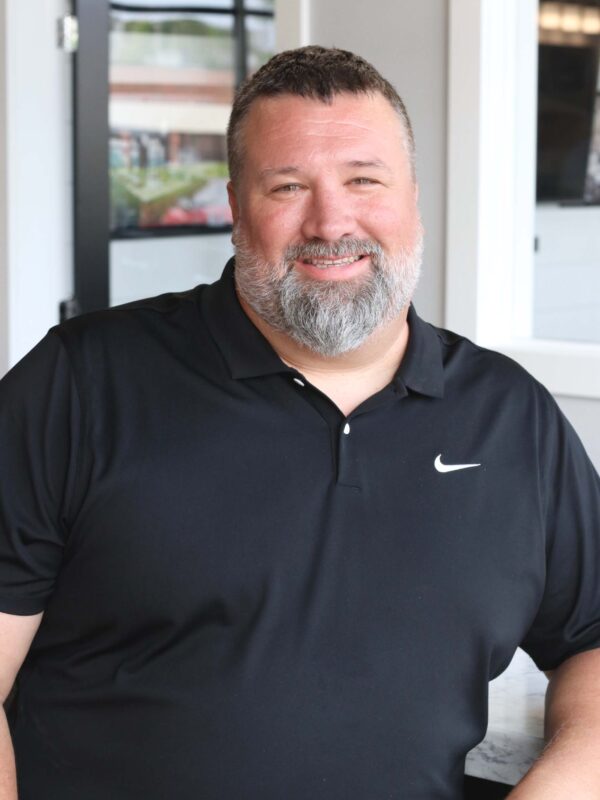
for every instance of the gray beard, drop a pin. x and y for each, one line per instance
(327, 317)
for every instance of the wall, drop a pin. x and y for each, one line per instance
(3, 202)
(407, 42)
(35, 265)
(584, 415)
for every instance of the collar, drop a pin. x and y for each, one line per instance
(422, 368)
(246, 351)
(249, 355)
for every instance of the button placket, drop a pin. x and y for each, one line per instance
(347, 458)
(344, 456)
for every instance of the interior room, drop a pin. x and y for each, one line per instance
(113, 187)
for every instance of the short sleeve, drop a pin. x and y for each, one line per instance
(39, 438)
(568, 618)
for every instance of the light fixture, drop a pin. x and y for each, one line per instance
(571, 20)
(590, 22)
(550, 16)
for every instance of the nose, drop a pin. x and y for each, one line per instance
(328, 215)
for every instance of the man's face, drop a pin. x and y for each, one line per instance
(326, 226)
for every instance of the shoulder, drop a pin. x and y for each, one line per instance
(170, 320)
(469, 366)
(144, 317)
(495, 386)
(137, 342)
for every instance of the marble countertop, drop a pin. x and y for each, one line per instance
(515, 734)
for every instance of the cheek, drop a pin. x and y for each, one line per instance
(395, 223)
(275, 226)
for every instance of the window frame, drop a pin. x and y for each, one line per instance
(91, 189)
(491, 193)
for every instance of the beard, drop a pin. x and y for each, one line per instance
(329, 317)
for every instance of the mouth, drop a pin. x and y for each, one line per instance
(334, 268)
(327, 263)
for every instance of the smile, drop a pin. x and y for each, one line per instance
(324, 263)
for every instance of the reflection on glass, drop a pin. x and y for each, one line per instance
(261, 41)
(567, 259)
(171, 86)
(592, 180)
(159, 5)
(567, 89)
(260, 5)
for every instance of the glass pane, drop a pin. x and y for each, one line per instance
(260, 5)
(191, 4)
(567, 259)
(592, 181)
(261, 41)
(171, 86)
(172, 83)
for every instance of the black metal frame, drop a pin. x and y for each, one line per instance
(90, 149)
(236, 8)
(91, 220)
(166, 231)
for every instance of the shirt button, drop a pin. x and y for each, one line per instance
(347, 428)
(298, 381)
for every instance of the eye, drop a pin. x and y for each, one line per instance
(364, 181)
(287, 188)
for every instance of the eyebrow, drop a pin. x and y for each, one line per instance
(356, 163)
(368, 164)
(289, 170)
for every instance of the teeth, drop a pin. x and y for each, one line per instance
(323, 264)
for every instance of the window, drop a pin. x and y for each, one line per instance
(567, 218)
(491, 259)
(173, 72)
(153, 85)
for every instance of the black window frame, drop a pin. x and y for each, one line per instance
(91, 189)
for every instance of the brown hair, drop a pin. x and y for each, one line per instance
(314, 72)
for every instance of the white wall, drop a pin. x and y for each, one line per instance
(35, 95)
(407, 42)
(584, 415)
(3, 204)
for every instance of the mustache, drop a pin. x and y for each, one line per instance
(341, 248)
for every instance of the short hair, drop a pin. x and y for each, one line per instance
(314, 72)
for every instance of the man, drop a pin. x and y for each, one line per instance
(271, 538)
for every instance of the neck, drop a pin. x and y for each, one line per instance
(351, 377)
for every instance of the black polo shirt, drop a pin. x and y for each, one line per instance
(249, 596)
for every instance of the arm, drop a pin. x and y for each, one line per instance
(570, 765)
(16, 635)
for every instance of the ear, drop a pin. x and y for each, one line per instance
(233, 203)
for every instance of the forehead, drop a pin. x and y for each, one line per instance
(285, 125)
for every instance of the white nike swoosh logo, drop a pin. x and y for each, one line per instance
(450, 467)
